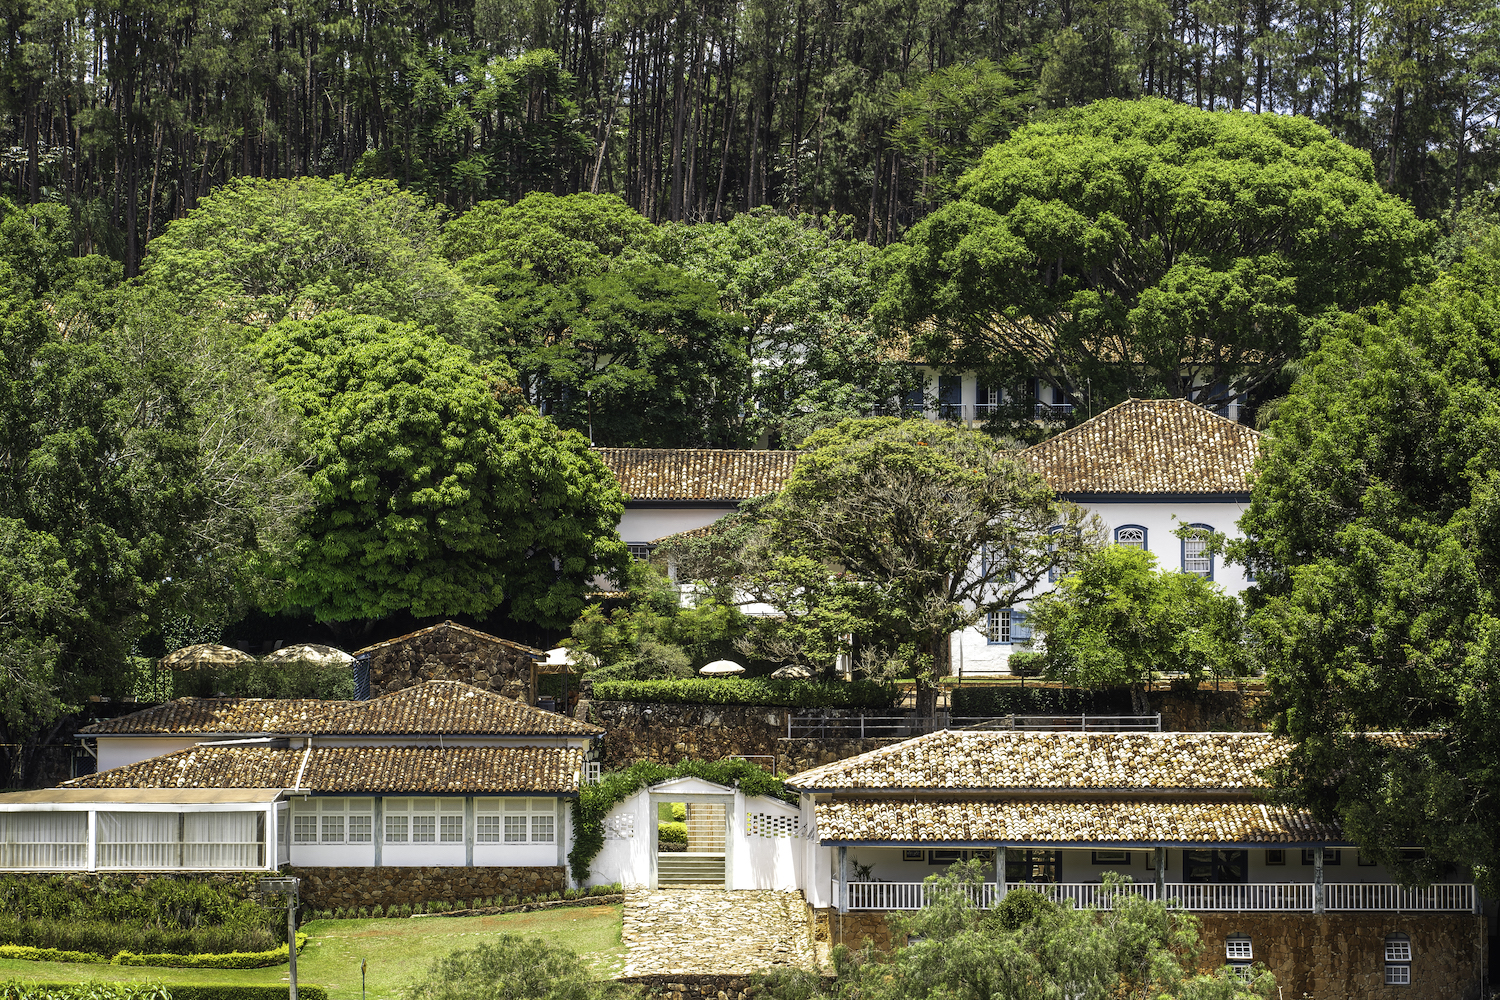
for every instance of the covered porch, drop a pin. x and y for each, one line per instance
(1203, 878)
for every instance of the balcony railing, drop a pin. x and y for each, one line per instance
(1286, 897)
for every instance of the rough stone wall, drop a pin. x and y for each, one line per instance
(667, 734)
(451, 654)
(1206, 710)
(329, 888)
(1314, 956)
(828, 926)
(696, 987)
(1337, 955)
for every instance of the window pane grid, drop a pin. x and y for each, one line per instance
(487, 829)
(359, 829)
(541, 829)
(452, 830)
(395, 829)
(304, 829)
(1398, 951)
(1398, 975)
(423, 829)
(333, 829)
(515, 829)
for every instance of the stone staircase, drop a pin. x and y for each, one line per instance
(714, 932)
(690, 871)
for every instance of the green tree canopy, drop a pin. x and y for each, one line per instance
(433, 495)
(549, 238)
(1117, 621)
(803, 353)
(256, 252)
(1374, 532)
(1146, 248)
(936, 521)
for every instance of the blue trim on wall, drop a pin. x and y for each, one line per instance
(1182, 549)
(1145, 534)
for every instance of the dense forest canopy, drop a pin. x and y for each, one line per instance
(129, 116)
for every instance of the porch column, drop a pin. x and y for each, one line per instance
(1161, 873)
(1000, 860)
(469, 831)
(843, 896)
(1318, 879)
(92, 861)
(377, 825)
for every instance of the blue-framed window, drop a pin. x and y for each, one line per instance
(1196, 557)
(1133, 535)
(1005, 626)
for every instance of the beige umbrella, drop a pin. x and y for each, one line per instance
(310, 652)
(721, 668)
(204, 654)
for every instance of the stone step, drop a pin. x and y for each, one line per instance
(685, 869)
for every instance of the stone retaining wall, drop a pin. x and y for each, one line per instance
(1335, 956)
(1332, 956)
(668, 734)
(697, 987)
(450, 652)
(330, 888)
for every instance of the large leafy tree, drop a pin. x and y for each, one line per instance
(1117, 621)
(258, 251)
(804, 354)
(936, 522)
(433, 494)
(1148, 248)
(1374, 532)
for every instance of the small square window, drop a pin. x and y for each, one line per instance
(359, 829)
(304, 829)
(1241, 971)
(451, 830)
(1276, 856)
(487, 829)
(515, 829)
(541, 829)
(1397, 950)
(1237, 949)
(1397, 975)
(395, 829)
(333, 829)
(423, 829)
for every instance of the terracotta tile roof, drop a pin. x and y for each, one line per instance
(969, 759)
(681, 536)
(702, 474)
(437, 708)
(455, 626)
(221, 715)
(1068, 822)
(1149, 446)
(424, 770)
(448, 708)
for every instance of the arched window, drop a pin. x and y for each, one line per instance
(1397, 960)
(1132, 535)
(1239, 954)
(1196, 557)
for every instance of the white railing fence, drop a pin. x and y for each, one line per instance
(1383, 896)
(1062, 723)
(1199, 896)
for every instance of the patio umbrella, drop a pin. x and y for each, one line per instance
(721, 668)
(310, 652)
(561, 659)
(204, 654)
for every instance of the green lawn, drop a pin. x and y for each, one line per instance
(397, 950)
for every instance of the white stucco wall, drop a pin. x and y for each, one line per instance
(647, 524)
(120, 751)
(973, 653)
(751, 861)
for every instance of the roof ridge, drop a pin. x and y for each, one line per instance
(450, 623)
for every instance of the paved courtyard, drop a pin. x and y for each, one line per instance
(714, 931)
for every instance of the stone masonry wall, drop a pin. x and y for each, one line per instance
(678, 986)
(667, 734)
(329, 888)
(1337, 955)
(451, 654)
(1314, 956)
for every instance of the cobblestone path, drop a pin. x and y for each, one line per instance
(714, 931)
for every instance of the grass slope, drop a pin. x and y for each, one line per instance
(398, 951)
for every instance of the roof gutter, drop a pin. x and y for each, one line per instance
(297, 785)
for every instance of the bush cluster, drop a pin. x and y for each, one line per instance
(111, 914)
(153, 991)
(173, 960)
(752, 691)
(452, 905)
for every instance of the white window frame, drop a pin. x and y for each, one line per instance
(419, 820)
(1122, 529)
(997, 627)
(1397, 960)
(1200, 553)
(513, 821)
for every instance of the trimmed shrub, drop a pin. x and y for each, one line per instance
(153, 991)
(752, 691)
(232, 960)
(970, 702)
(671, 833)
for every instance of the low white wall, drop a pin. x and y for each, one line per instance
(121, 751)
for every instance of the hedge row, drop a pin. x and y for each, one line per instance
(231, 960)
(107, 938)
(456, 905)
(752, 691)
(153, 991)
